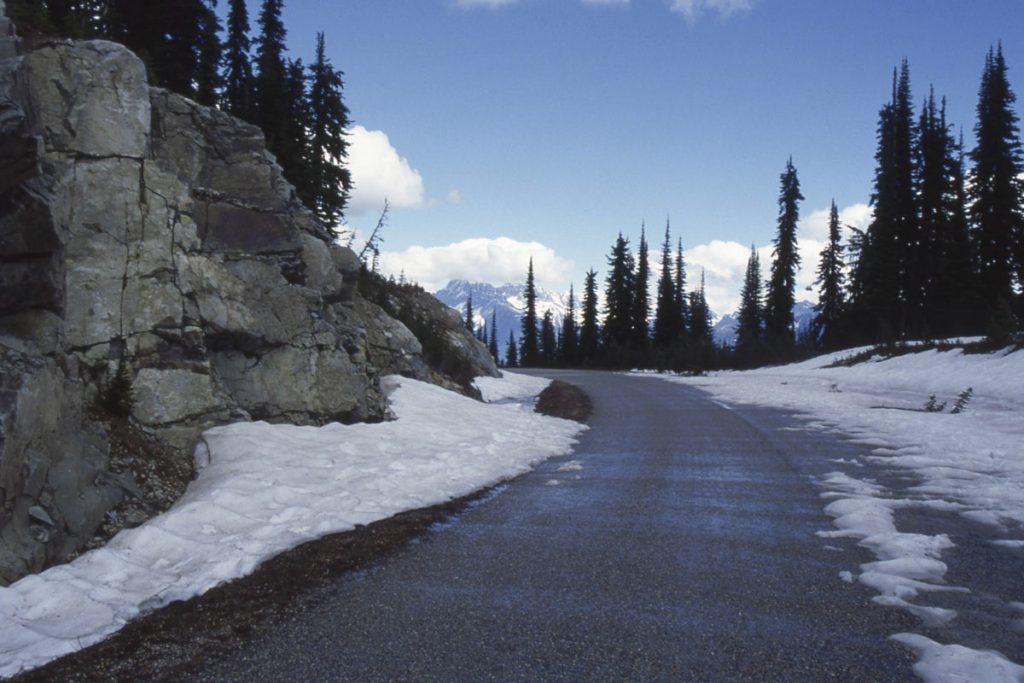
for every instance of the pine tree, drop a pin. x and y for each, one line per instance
(750, 327)
(548, 342)
(589, 331)
(273, 98)
(700, 316)
(881, 274)
(641, 299)
(618, 297)
(666, 315)
(329, 181)
(294, 149)
(467, 319)
(682, 308)
(569, 346)
(529, 351)
(511, 355)
(785, 260)
(831, 285)
(208, 77)
(238, 98)
(492, 341)
(996, 188)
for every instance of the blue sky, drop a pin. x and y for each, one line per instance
(557, 123)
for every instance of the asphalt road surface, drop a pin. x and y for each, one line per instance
(684, 548)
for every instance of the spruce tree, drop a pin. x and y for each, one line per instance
(238, 98)
(548, 342)
(641, 299)
(329, 180)
(209, 51)
(666, 315)
(785, 260)
(294, 150)
(273, 99)
(569, 346)
(529, 351)
(700, 316)
(881, 275)
(511, 354)
(469, 313)
(492, 341)
(682, 307)
(996, 189)
(831, 285)
(750, 328)
(618, 297)
(589, 330)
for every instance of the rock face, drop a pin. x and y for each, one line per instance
(140, 231)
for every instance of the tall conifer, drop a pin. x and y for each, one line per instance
(569, 341)
(329, 180)
(589, 330)
(750, 327)
(618, 296)
(641, 304)
(666, 315)
(831, 284)
(529, 349)
(785, 260)
(238, 98)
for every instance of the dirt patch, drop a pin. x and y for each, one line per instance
(561, 399)
(172, 642)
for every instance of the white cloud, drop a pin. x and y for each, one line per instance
(815, 224)
(694, 9)
(479, 259)
(379, 172)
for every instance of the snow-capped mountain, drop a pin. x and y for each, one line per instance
(507, 301)
(724, 331)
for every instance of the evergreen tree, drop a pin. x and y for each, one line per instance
(956, 289)
(589, 332)
(750, 328)
(548, 343)
(785, 260)
(881, 275)
(529, 352)
(996, 188)
(641, 299)
(238, 98)
(666, 313)
(682, 308)
(329, 181)
(511, 355)
(831, 285)
(569, 347)
(618, 297)
(273, 99)
(492, 341)
(209, 51)
(469, 313)
(294, 150)
(700, 316)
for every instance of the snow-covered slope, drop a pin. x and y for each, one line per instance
(266, 488)
(971, 464)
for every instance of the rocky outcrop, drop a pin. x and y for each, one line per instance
(144, 233)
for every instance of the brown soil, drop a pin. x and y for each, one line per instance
(167, 644)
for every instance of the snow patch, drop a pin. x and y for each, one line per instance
(940, 663)
(267, 488)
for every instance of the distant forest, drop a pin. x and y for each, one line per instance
(186, 49)
(943, 256)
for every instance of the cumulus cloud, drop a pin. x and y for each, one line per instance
(694, 9)
(379, 172)
(815, 224)
(479, 259)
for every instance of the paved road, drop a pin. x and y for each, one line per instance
(684, 549)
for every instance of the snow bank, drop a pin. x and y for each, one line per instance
(970, 463)
(510, 387)
(267, 488)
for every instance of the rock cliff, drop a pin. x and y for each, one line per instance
(144, 235)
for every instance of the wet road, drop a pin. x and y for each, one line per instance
(683, 548)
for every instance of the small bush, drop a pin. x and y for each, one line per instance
(117, 397)
(933, 406)
(962, 400)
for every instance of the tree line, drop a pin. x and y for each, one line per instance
(299, 107)
(942, 256)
